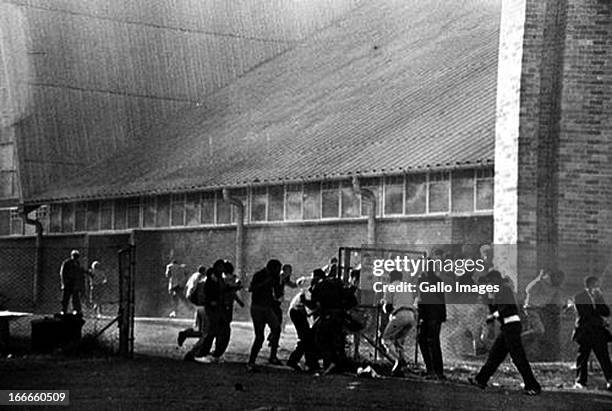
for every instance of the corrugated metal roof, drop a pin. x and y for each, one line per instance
(396, 85)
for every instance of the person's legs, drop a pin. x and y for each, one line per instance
(65, 298)
(210, 333)
(273, 321)
(223, 337)
(76, 301)
(497, 354)
(300, 323)
(600, 348)
(436, 349)
(512, 338)
(259, 323)
(424, 347)
(582, 362)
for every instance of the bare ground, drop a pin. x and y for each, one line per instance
(158, 379)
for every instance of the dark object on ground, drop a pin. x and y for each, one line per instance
(60, 331)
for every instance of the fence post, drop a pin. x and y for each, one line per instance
(126, 303)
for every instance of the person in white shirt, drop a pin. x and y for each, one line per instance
(402, 318)
(175, 273)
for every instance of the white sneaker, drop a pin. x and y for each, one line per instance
(578, 386)
(204, 360)
(172, 314)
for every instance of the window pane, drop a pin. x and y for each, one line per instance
(276, 198)
(293, 205)
(148, 211)
(120, 214)
(416, 194)
(80, 217)
(463, 190)
(106, 215)
(163, 211)
(259, 199)
(16, 223)
(224, 213)
(239, 194)
(178, 209)
(133, 213)
(55, 221)
(438, 192)
(372, 184)
(312, 201)
(484, 194)
(67, 218)
(350, 201)
(394, 195)
(192, 209)
(5, 222)
(208, 207)
(92, 216)
(330, 199)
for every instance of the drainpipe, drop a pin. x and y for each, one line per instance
(239, 231)
(38, 263)
(371, 197)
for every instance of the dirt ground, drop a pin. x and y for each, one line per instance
(157, 378)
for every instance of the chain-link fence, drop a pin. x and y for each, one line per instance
(30, 290)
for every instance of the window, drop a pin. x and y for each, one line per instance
(416, 194)
(192, 209)
(208, 207)
(55, 219)
(120, 214)
(293, 202)
(106, 215)
(350, 201)
(80, 217)
(372, 184)
(330, 199)
(178, 209)
(163, 211)
(224, 212)
(5, 222)
(16, 223)
(312, 201)
(462, 188)
(148, 212)
(484, 189)
(42, 215)
(67, 218)
(259, 203)
(133, 213)
(438, 192)
(394, 195)
(276, 198)
(93, 211)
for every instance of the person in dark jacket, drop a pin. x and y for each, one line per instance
(72, 277)
(263, 299)
(591, 333)
(214, 288)
(504, 308)
(432, 313)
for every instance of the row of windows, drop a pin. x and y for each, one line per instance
(462, 191)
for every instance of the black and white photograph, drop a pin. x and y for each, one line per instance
(278, 205)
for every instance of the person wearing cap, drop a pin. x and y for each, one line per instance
(72, 281)
(504, 308)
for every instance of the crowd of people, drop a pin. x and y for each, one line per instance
(320, 313)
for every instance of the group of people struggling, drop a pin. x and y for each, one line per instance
(327, 298)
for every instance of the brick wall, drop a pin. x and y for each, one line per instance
(304, 245)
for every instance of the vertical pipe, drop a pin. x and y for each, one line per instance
(239, 255)
(38, 263)
(371, 197)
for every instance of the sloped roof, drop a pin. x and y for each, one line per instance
(395, 85)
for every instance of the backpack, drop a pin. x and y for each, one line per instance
(195, 294)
